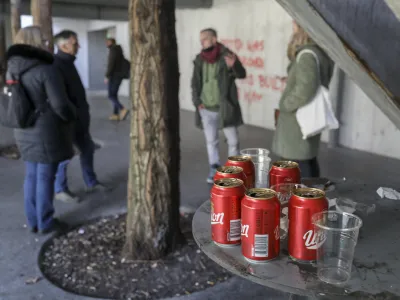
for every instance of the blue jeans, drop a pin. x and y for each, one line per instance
(113, 87)
(85, 144)
(38, 194)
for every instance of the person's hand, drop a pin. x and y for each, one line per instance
(105, 80)
(201, 106)
(230, 59)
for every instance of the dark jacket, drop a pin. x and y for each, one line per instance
(50, 139)
(302, 84)
(75, 89)
(229, 107)
(115, 68)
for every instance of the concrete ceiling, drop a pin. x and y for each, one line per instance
(116, 10)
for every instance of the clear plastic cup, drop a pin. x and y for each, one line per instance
(261, 174)
(284, 192)
(261, 161)
(337, 234)
(258, 155)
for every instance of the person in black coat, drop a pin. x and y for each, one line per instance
(68, 45)
(49, 141)
(113, 79)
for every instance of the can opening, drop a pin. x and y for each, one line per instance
(261, 194)
(228, 182)
(309, 193)
(230, 170)
(286, 164)
(239, 158)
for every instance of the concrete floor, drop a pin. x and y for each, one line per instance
(19, 249)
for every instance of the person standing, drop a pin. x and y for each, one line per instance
(215, 97)
(68, 46)
(305, 75)
(114, 75)
(49, 140)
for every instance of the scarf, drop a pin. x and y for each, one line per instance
(211, 55)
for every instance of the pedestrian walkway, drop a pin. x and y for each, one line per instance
(19, 248)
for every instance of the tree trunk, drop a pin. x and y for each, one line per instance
(153, 187)
(15, 17)
(2, 45)
(41, 12)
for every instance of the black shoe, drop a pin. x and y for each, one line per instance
(58, 227)
(33, 230)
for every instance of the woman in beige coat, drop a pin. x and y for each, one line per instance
(303, 80)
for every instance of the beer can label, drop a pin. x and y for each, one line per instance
(260, 248)
(225, 221)
(234, 230)
(260, 234)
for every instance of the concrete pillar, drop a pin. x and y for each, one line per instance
(6, 134)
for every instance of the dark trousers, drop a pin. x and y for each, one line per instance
(308, 168)
(113, 87)
(38, 194)
(84, 143)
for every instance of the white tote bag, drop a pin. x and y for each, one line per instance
(317, 115)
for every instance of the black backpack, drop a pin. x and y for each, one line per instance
(16, 108)
(126, 68)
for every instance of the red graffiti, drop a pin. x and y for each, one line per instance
(238, 44)
(252, 96)
(249, 80)
(252, 62)
(274, 83)
(235, 44)
(254, 46)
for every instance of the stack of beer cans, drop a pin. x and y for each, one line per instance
(242, 215)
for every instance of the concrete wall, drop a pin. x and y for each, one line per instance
(258, 31)
(364, 126)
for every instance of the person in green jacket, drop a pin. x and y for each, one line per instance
(215, 97)
(304, 78)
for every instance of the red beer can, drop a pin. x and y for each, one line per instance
(260, 232)
(230, 172)
(226, 197)
(302, 240)
(247, 165)
(284, 172)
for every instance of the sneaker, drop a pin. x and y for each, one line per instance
(123, 113)
(213, 170)
(67, 197)
(58, 226)
(114, 118)
(99, 187)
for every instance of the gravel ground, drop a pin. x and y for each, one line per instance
(88, 261)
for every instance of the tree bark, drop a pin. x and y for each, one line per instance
(41, 11)
(15, 17)
(153, 188)
(2, 45)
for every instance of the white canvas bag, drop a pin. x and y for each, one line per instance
(317, 115)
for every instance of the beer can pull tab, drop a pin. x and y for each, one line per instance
(257, 194)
